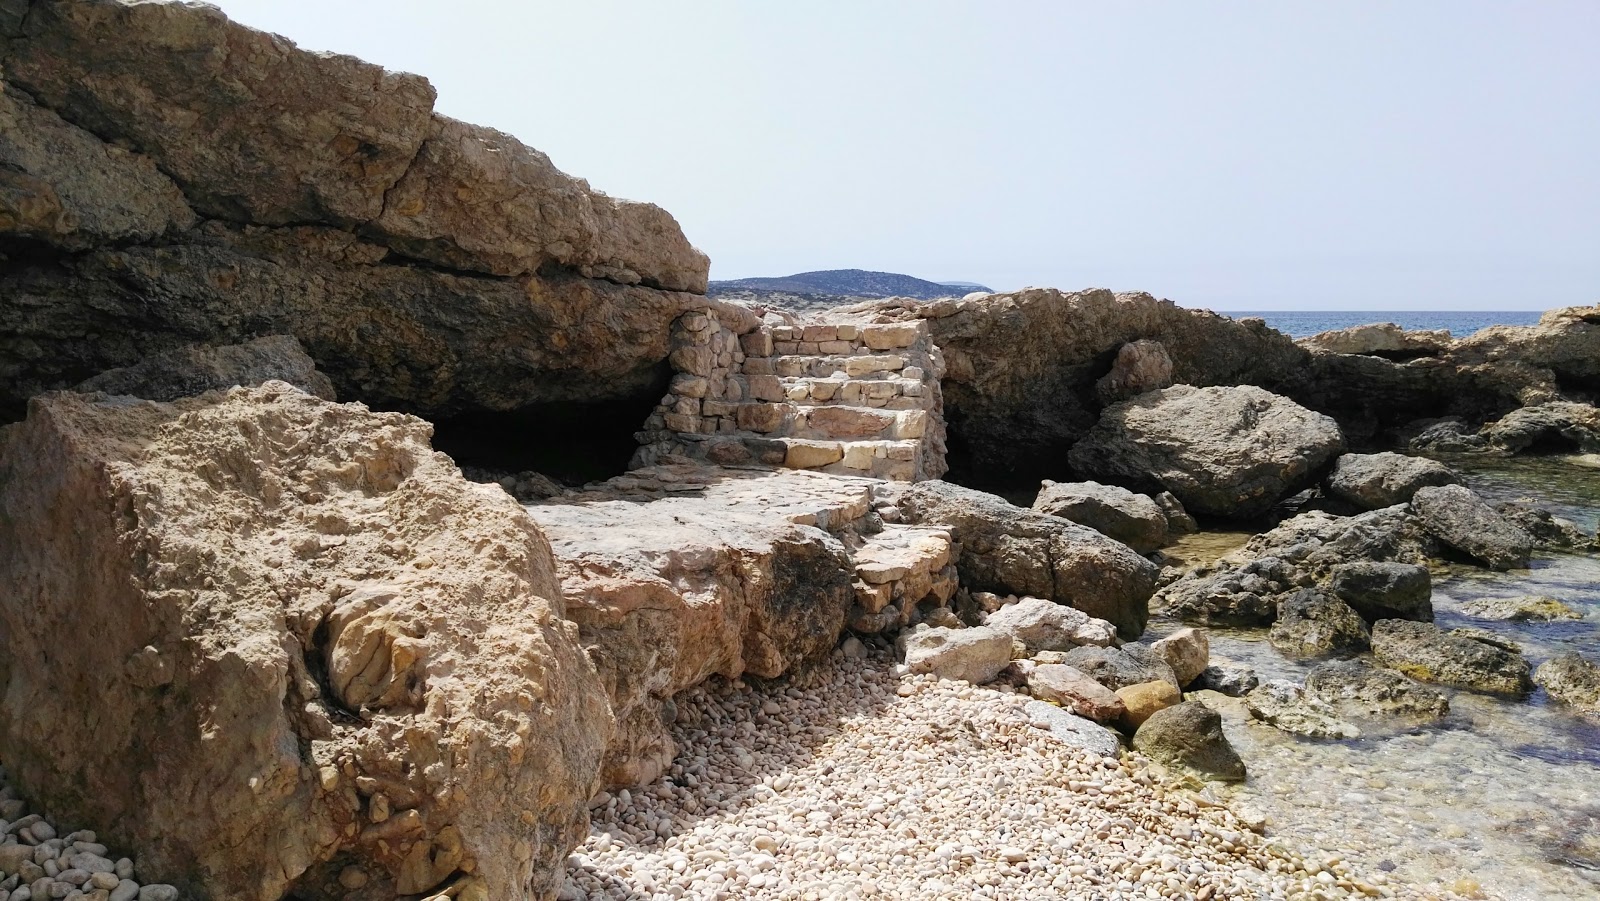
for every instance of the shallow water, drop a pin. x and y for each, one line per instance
(1503, 795)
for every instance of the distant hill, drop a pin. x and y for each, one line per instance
(846, 283)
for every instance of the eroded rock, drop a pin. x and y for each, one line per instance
(196, 369)
(1461, 519)
(1375, 481)
(1133, 519)
(1427, 654)
(1313, 624)
(1189, 737)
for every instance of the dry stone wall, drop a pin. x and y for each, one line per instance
(844, 398)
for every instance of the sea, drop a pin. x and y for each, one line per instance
(1302, 323)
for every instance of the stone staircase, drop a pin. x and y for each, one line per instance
(847, 398)
(897, 570)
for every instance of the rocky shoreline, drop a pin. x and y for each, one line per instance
(386, 514)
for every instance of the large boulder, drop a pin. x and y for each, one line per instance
(1133, 519)
(1117, 668)
(195, 369)
(303, 646)
(321, 182)
(669, 588)
(1375, 481)
(1363, 692)
(1232, 452)
(1554, 427)
(1384, 589)
(1572, 679)
(1287, 706)
(1461, 519)
(1428, 654)
(975, 655)
(1010, 550)
(1189, 737)
(1313, 624)
(1076, 691)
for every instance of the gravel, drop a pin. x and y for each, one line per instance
(852, 781)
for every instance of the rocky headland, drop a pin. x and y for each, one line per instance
(386, 514)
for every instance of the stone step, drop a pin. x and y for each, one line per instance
(898, 568)
(826, 365)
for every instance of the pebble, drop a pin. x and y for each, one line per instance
(38, 864)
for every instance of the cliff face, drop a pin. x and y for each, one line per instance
(168, 176)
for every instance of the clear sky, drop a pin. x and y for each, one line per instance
(1439, 154)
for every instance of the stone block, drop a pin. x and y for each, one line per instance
(820, 333)
(679, 422)
(756, 344)
(884, 389)
(810, 348)
(693, 360)
(766, 387)
(856, 367)
(762, 418)
(798, 393)
(687, 406)
(888, 336)
(790, 367)
(784, 333)
(848, 332)
(859, 456)
(718, 408)
(912, 389)
(835, 347)
(913, 424)
(914, 372)
(804, 454)
(824, 390)
(902, 450)
(685, 385)
(758, 366)
(850, 422)
(786, 347)
(873, 598)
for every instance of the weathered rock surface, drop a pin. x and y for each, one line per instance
(1427, 654)
(1375, 481)
(1384, 590)
(1189, 737)
(1232, 452)
(1557, 426)
(1573, 680)
(1233, 680)
(1363, 692)
(1461, 519)
(196, 369)
(1010, 550)
(976, 655)
(1133, 519)
(1285, 705)
(1074, 730)
(61, 185)
(1381, 339)
(1022, 368)
(318, 182)
(1043, 625)
(1140, 367)
(305, 642)
(1179, 522)
(1313, 624)
(1547, 529)
(677, 574)
(1076, 691)
(1521, 609)
(1144, 699)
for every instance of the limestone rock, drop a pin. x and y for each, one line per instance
(62, 185)
(1076, 691)
(1179, 522)
(479, 199)
(280, 609)
(1547, 529)
(1462, 520)
(1187, 651)
(1375, 481)
(1361, 691)
(1558, 426)
(1009, 550)
(1073, 730)
(1117, 668)
(1243, 596)
(1189, 737)
(1232, 680)
(1427, 654)
(1521, 609)
(1286, 706)
(740, 574)
(1312, 624)
(1144, 699)
(1232, 452)
(1449, 434)
(1384, 339)
(1133, 519)
(1384, 590)
(1140, 367)
(251, 127)
(1043, 625)
(1573, 680)
(976, 655)
(196, 369)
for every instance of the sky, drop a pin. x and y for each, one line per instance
(1432, 154)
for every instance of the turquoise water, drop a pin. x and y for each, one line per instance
(1300, 324)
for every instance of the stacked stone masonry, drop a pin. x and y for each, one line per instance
(844, 398)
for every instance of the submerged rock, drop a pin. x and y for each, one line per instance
(1573, 680)
(1361, 691)
(1231, 452)
(1375, 481)
(1133, 519)
(1285, 705)
(1461, 519)
(1523, 609)
(1312, 624)
(1011, 550)
(1229, 679)
(1189, 737)
(1428, 654)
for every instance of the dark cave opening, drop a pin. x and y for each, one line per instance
(1551, 442)
(573, 442)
